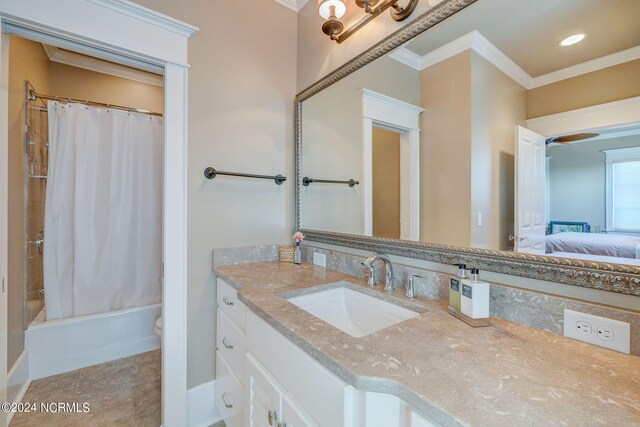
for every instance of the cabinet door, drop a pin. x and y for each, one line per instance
(265, 396)
(229, 395)
(293, 415)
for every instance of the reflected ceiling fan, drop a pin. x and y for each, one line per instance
(566, 139)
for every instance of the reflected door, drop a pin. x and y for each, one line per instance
(386, 183)
(530, 194)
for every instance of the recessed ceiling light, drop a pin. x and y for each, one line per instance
(572, 40)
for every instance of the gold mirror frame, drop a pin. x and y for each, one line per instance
(618, 278)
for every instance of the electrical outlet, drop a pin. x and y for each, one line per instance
(319, 259)
(605, 333)
(583, 327)
(600, 331)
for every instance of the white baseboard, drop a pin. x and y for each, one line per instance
(201, 405)
(18, 381)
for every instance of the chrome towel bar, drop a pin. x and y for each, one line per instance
(306, 181)
(211, 173)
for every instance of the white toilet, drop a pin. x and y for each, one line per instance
(158, 328)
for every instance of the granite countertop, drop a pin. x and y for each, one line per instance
(502, 375)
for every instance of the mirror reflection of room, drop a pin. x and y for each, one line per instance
(594, 197)
(517, 134)
(386, 183)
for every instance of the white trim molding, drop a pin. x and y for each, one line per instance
(295, 5)
(201, 405)
(601, 63)
(617, 114)
(78, 60)
(124, 31)
(18, 381)
(480, 44)
(150, 16)
(389, 113)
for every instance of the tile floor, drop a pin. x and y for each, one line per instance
(122, 393)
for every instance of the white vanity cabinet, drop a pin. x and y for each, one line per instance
(264, 380)
(314, 395)
(269, 403)
(231, 345)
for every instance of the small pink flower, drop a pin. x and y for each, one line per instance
(298, 237)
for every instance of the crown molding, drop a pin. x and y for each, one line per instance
(480, 44)
(295, 5)
(94, 64)
(588, 67)
(407, 57)
(501, 61)
(148, 15)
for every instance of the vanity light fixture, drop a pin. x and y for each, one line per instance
(333, 10)
(571, 40)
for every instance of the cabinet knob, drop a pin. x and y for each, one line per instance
(226, 399)
(272, 416)
(227, 301)
(225, 343)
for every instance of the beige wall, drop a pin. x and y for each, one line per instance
(445, 151)
(386, 183)
(72, 82)
(27, 61)
(242, 82)
(333, 133)
(599, 87)
(498, 104)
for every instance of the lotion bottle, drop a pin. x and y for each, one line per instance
(475, 296)
(455, 284)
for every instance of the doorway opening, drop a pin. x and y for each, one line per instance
(86, 143)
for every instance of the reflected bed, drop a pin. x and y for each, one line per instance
(614, 245)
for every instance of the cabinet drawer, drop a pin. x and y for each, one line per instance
(318, 391)
(228, 301)
(230, 395)
(231, 343)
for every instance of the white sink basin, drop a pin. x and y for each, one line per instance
(352, 312)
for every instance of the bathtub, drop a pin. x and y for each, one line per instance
(63, 345)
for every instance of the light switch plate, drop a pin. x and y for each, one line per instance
(600, 331)
(319, 259)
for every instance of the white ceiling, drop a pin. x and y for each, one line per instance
(528, 31)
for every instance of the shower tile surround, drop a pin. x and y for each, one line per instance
(36, 162)
(526, 307)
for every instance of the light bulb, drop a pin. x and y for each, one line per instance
(572, 40)
(324, 8)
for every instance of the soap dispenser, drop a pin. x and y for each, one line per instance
(475, 296)
(454, 287)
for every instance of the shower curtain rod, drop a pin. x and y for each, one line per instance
(33, 95)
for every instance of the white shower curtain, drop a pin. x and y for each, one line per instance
(103, 211)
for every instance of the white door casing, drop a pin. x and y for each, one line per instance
(398, 116)
(530, 189)
(4, 195)
(121, 30)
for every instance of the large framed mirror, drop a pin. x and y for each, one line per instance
(471, 135)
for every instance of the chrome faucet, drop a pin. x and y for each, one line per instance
(389, 270)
